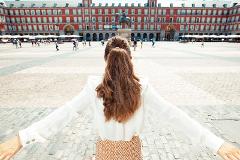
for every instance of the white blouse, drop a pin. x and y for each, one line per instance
(113, 130)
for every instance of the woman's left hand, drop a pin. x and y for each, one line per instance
(229, 152)
(9, 148)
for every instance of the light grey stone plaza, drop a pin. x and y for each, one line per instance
(202, 81)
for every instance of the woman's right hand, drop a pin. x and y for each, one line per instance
(229, 152)
(9, 148)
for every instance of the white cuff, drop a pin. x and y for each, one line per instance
(28, 137)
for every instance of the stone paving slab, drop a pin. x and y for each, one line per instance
(203, 82)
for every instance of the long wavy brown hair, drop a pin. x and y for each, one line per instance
(120, 88)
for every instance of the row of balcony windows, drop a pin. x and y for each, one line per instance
(137, 27)
(27, 12)
(113, 20)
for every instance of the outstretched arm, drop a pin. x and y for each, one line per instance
(196, 133)
(40, 131)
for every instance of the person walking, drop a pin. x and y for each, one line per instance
(74, 45)
(153, 43)
(202, 44)
(120, 100)
(141, 43)
(56, 44)
(135, 44)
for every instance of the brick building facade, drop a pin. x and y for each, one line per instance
(158, 19)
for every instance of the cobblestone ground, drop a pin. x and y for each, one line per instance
(204, 82)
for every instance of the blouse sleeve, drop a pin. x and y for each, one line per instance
(180, 120)
(40, 131)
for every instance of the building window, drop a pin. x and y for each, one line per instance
(113, 19)
(35, 27)
(74, 11)
(178, 20)
(100, 27)
(50, 19)
(106, 11)
(60, 19)
(67, 11)
(54, 12)
(27, 12)
(113, 11)
(49, 12)
(145, 19)
(67, 19)
(181, 27)
(29, 27)
(80, 19)
(182, 20)
(151, 27)
(93, 11)
(28, 19)
(32, 12)
(139, 27)
(145, 11)
(99, 19)
(16, 12)
(164, 12)
(145, 27)
(23, 20)
(209, 12)
(171, 12)
(204, 12)
(43, 12)
(193, 20)
(18, 20)
(152, 11)
(139, 11)
(80, 27)
(40, 27)
(163, 20)
(38, 12)
(56, 19)
(39, 20)
(21, 12)
(139, 19)
(13, 20)
(152, 19)
(46, 27)
(93, 19)
(99, 11)
(45, 19)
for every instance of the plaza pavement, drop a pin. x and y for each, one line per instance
(204, 82)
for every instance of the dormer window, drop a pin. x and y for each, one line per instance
(193, 5)
(67, 4)
(44, 5)
(203, 5)
(214, 5)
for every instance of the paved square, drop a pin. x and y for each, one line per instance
(204, 82)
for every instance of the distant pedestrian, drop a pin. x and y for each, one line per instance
(102, 42)
(153, 43)
(20, 43)
(202, 45)
(74, 45)
(89, 43)
(56, 43)
(135, 44)
(141, 43)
